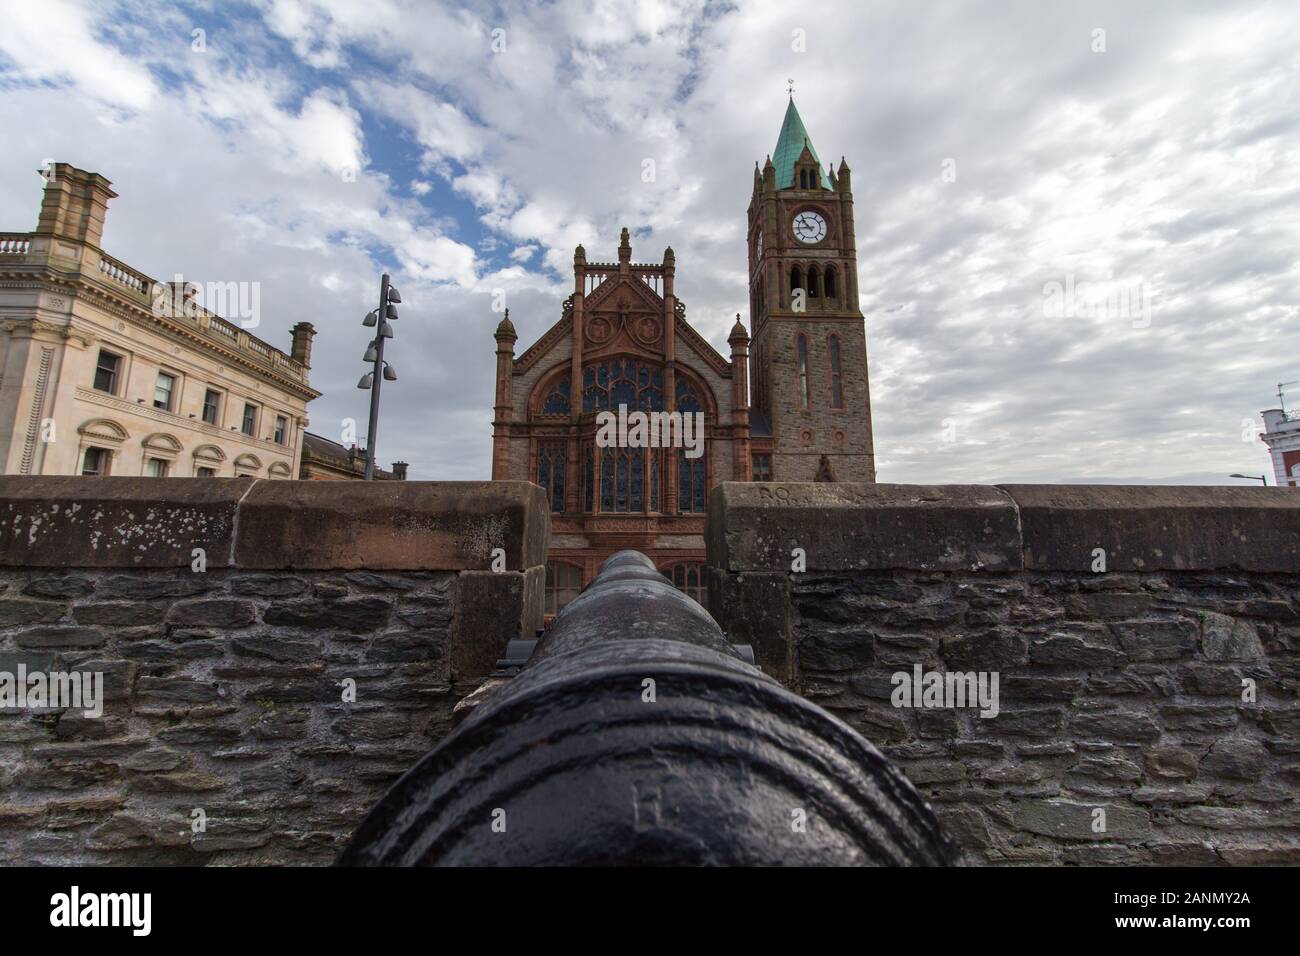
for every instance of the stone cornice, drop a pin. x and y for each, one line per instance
(109, 301)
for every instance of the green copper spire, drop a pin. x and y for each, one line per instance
(788, 147)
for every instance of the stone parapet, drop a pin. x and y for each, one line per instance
(1145, 641)
(272, 653)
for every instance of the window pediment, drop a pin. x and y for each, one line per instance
(102, 430)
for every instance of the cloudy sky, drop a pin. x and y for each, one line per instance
(1142, 158)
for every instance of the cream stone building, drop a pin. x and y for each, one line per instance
(105, 371)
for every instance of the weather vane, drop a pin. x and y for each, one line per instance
(790, 87)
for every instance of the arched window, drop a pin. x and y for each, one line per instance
(813, 291)
(837, 387)
(796, 279)
(563, 584)
(801, 357)
(557, 398)
(828, 282)
(687, 399)
(550, 473)
(607, 385)
(687, 577)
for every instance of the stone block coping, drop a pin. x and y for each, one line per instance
(73, 522)
(849, 526)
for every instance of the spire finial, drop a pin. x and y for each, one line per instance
(789, 87)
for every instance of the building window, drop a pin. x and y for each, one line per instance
(801, 354)
(155, 468)
(589, 479)
(96, 461)
(250, 419)
(557, 398)
(762, 467)
(550, 473)
(211, 406)
(688, 402)
(622, 480)
(203, 471)
(687, 577)
(106, 371)
(281, 429)
(837, 386)
(607, 385)
(563, 584)
(814, 283)
(690, 485)
(163, 390)
(828, 282)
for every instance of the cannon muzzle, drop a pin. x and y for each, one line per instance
(637, 735)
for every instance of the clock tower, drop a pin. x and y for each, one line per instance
(808, 356)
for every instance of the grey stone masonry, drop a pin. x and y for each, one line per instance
(1146, 642)
(257, 703)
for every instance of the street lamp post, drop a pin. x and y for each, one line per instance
(1262, 478)
(382, 372)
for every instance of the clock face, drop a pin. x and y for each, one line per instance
(809, 227)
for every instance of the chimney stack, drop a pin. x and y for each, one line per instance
(302, 336)
(75, 205)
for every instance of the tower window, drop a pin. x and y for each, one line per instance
(813, 291)
(796, 279)
(829, 282)
(837, 386)
(801, 357)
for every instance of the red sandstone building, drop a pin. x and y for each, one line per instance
(623, 339)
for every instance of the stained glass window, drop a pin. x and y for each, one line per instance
(590, 479)
(687, 577)
(690, 485)
(550, 473)
(622, 486)
(687, 400)
(563, 584)
(638, 385)
(557, 399)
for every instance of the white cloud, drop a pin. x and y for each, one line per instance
(1171, 158)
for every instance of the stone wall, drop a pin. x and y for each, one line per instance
(231, 733)
(1160, 691)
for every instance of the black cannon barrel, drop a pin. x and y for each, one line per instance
(637, 735)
